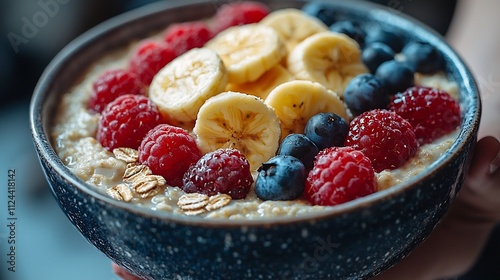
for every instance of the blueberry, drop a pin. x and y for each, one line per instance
(350, 29)
(375, 54)
(301, 147)
(364, 93)
(391, 38)
(422, 57)
(280, 178)
(327, 130)
(396, 76)
(322, 11)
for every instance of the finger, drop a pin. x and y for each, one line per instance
(495, 164)
(122, 273)
(486, 157)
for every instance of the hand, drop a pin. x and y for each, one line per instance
(123, 274)
(457, 241)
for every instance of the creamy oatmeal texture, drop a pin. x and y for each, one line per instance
(75, 128)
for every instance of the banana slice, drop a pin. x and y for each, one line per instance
(240, 121)
(297, 101)
(329, 58)
(183, 85)
(293, 26)
(265, 84)
(248, 51)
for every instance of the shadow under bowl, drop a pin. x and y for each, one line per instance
(351, 241)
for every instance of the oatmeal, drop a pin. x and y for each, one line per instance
(202, 78)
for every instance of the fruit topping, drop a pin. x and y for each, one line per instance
(239, 121)
(331, 59)
(375, 54)
(265, 84)
(297, 101)
(239, 13)
(350, 29)
(224, 171)
(293, 26)
(384, 137)
(181, 87)
(189, 35)
(322, 11)
(111, 84)
(340, 174)
(389, 37)
(327, 130)
(227, 97)
(366, 92)
(281, 178)
(248, 51)
(432, 112)
(422, 57)
(300, 147)
(126, 120)
(396, 76)
(149, 57)
(169, 151)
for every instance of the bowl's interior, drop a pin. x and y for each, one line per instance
(64, 70)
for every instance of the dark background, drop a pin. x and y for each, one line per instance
(48, 246)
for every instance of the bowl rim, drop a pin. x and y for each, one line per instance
(47, 153)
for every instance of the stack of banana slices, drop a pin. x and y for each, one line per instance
(252, 85)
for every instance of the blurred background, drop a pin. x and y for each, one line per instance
(48, 246)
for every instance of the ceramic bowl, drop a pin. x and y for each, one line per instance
(355, 240)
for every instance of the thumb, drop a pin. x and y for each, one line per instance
(486, 157)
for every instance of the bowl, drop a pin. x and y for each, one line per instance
(354, 240)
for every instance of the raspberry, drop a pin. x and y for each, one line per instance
(185, 36)
(239, 13)
(169, 151)
(340, 174)
(384, 137)
(110, 85)
(432, 112)
(125, 121)
(222, 171)
(149, 57)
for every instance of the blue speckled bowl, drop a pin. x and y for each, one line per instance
(355, 240)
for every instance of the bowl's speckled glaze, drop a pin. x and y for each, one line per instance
(354, 240)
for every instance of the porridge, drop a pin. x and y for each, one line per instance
(243, 99)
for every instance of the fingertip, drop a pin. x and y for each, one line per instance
(122, 273)
(495, 163)
(486, 156)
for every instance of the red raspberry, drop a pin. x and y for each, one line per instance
(185, 36)
(149, 57)
(239, 13)
(169, 151)
(110, 85)
(125, 121)
(384, 137)
(432, 112)
(340, 174)
(222, 171)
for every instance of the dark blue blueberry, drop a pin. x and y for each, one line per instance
(422, 57)
(395, 76)
(391, 38)
(301, 147)
(327, 130)
(375, 54)
(280, 178)
(350, 29)
(365, 92)
(322, 11)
